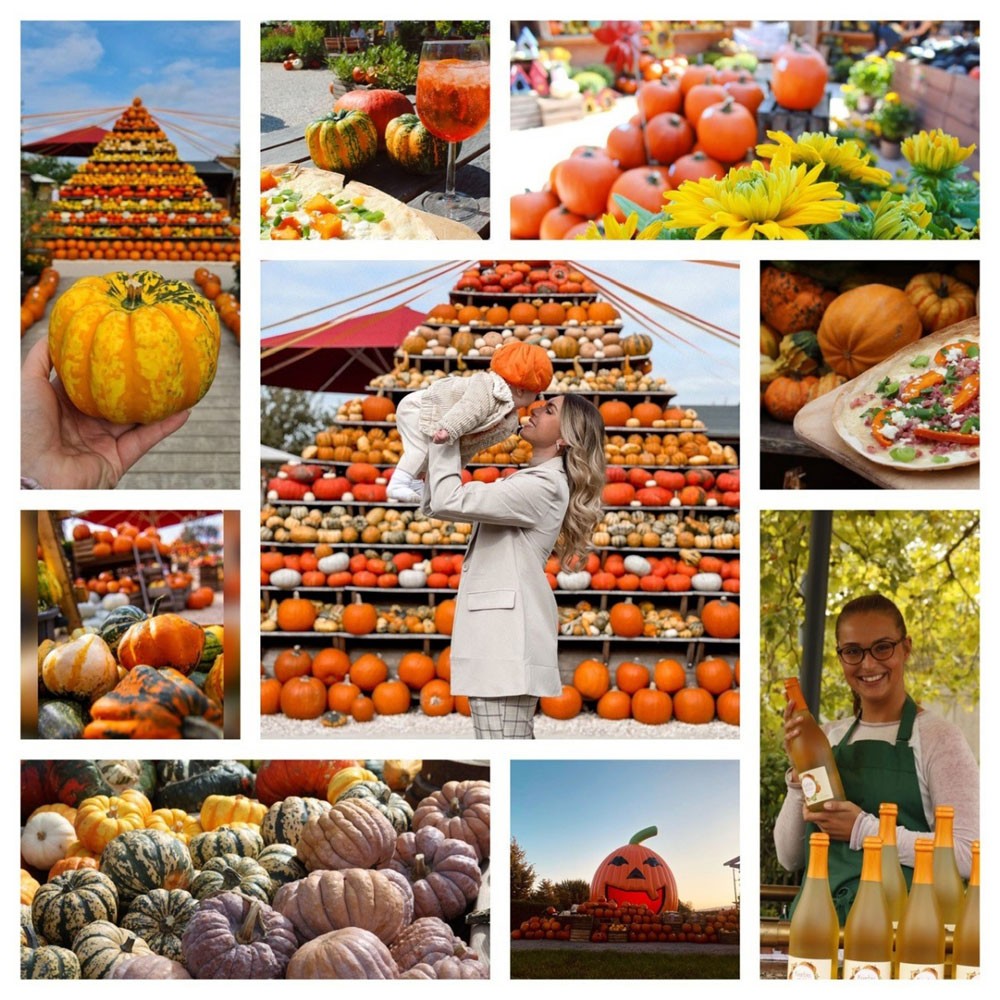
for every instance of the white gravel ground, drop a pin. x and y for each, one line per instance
(290, 97)
(414, 725)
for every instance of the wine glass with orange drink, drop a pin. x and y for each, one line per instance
(453, 102)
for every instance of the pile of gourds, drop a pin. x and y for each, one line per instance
(693, 487)
(639, 529)
(814, 337)
(297, 614)
(691, 573)
(680, 448)
(136, 676)
(374, 526)
(351, 444)
(205, 870)
(651, 694)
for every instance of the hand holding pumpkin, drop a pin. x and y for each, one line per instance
(62, 448)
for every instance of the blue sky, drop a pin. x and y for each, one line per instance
(707, 373)
(187, 66)
(569, 815)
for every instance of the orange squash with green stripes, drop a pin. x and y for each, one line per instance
(134, 348)
(343, 140)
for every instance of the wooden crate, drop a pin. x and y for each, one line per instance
(772, 116)
(565, 109)
(524, 111)
(83, 550)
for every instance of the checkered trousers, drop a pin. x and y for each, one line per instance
(511, 718)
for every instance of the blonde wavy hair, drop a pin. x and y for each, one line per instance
(582, 429)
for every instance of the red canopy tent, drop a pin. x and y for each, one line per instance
(142, 518)
(75, 142)
(338, 355)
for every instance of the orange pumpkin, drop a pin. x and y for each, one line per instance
(669, 676)
(360, 618)
(721, 618)
(631, 677)
(270, 696)
(162, 641)
(562, 706)
(652, 707)
(694, 705)
(615, 705)
(940, 300)
(727, 706)
(295, 614)
(331, 665)
(714, 674)
(391, 698)
(865, 325)
(368, 671)
(415, 670)
(785, 396)
(377, 408)
(592, 679)
(341, 696)
(303, 698)
(799, 76)
(615, 413)
(436, 698)
(444, 616)
(289, 663)
(635, 874)
(626, 619)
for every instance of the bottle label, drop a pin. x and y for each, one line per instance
(966, 971)
(854, 969)
(920, 970)
(816, 785)
(809, 968)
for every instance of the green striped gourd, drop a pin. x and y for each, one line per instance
(285, 819)
(413, 148)
(231, 873)
(242, 841)
(49, 962)
(342, 140)
(160, 918)
(70, 901)
(281, 862)
(101, 947)
(141, 860)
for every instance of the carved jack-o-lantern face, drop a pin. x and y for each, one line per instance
(635, 874)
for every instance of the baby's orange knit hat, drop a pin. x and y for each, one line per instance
(526, 366)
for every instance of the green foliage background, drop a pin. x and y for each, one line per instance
(925, 561)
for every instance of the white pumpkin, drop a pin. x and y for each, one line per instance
(573, 581)
(412, 578)
(111, 601)
(87, 610)
(337, 562)
(706, 581)
(84, 666)
(638, 565)
(286, 579)
(45, 839)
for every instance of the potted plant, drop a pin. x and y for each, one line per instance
(895, 121)
(871, 78)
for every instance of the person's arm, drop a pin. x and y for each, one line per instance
(520, 501)
(952, 777)
(790, 827)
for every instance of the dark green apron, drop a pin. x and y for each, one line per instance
(872, 772)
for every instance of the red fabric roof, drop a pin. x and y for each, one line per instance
(337, 356)
(75, 142)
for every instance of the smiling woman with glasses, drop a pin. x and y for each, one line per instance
(890, 750)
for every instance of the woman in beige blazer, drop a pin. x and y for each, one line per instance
(503, 651)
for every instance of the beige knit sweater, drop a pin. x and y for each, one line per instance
(478, 411)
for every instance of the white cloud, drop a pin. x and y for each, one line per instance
(59, 49)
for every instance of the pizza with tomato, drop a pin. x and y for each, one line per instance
(918, 410)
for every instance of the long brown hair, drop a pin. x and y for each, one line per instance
(582, 429)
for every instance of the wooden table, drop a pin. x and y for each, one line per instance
(472, 176)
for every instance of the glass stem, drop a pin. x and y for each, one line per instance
(449, 184)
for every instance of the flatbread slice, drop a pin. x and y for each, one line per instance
(919, 409)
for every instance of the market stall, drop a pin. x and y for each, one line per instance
(130, 626)
(848, 143)
(358, 592)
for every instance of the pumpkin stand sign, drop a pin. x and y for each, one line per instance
(636, 874)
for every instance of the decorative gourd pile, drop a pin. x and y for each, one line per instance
(814, 337)
(332, 546)
(205, 870)
(634, 923)
(136, 676)
(134, 200)
(37, 298)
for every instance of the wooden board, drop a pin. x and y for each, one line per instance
(814, 425)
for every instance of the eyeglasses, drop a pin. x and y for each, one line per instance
(881, 650)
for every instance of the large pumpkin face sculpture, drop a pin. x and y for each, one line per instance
(635, 874)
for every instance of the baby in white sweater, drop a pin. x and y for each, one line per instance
(478, 411)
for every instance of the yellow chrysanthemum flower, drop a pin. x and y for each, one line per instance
(843, 155)
(754, 201)
(900, 219)
(615, 230)
(935, 153)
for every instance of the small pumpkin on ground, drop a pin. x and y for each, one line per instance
(101, 947)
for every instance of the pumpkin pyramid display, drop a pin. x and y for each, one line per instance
(669, 535)
(135, 200)
(635, 874)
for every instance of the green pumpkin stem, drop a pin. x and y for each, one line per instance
(642, 835)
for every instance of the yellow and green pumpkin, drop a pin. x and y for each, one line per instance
(413, 148)
(134, 348)
(342, 140)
